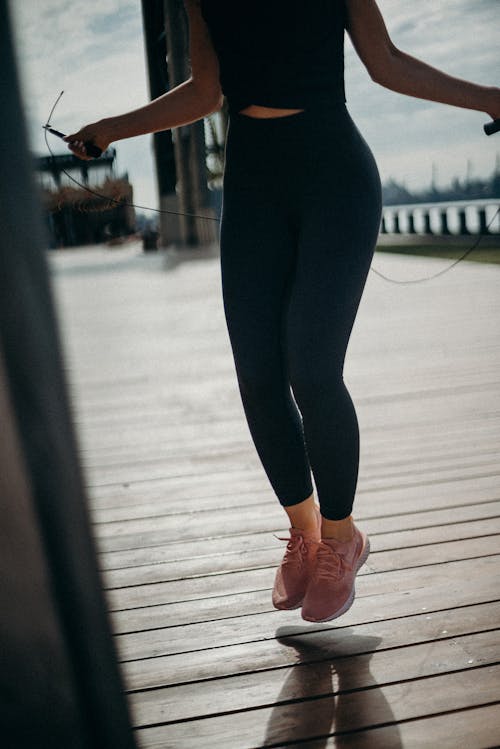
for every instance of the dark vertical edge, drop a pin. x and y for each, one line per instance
(155, 52)
(40, 400)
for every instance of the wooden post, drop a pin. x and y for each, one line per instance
(60, 685)
(153, 17)
(189, 140)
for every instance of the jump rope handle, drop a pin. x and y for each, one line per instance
(492, 127)
(92, 149)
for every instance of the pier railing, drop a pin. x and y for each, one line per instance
(457, 218)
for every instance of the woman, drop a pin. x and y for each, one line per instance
(300, 219)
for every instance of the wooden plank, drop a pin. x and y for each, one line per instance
(471, 727)
(223, 620)
(321, 674)
(152, 501)
(402, 550)
(428, 469)
(244, 520)
(173, 453)
(194, 622)
(180, 528)
(376, 453)
(188, 410)
(278, 651)
(238, 581)
(247, 552)
(181, 487)
(93, 397)
(319, 717)
(364, 361)
(223, 490)
(208, 363)
(105, 442)
(178, 391)
(239, 457)
(146, 444)
(182, 397)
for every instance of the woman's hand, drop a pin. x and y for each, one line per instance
(94, 133)
(494, 105)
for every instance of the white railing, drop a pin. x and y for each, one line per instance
(459, 218)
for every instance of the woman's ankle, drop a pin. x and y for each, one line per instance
(303, 515)
(341, 530)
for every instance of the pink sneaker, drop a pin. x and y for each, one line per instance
(331, 591)
(292, 576)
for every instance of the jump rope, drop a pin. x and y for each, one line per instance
(95, 152)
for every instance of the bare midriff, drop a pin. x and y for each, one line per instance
(255, 110)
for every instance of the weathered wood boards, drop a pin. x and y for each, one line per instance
(184, 517)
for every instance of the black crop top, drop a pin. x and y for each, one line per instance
(278, 53)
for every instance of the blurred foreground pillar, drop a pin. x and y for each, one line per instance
(60, 685)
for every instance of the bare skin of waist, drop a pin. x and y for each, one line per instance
(255, 110)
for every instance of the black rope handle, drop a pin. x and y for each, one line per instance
(492, 127)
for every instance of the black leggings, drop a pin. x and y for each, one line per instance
(300, 219)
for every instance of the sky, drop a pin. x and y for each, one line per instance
(94, 51)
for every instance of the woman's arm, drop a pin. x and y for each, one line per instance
(189, 101)
(396, 70)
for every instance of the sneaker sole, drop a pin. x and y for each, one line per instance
(289, 608)
(347, 605)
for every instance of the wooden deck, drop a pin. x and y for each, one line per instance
(184, 515)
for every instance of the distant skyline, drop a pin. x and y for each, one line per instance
(95, 52)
